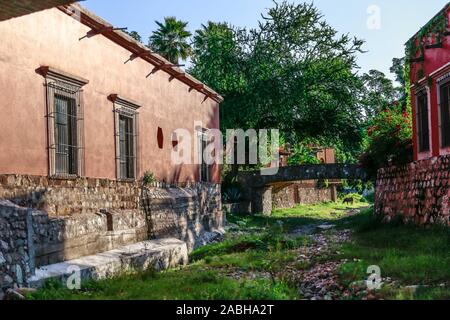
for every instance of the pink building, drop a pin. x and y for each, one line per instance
(86, 112)
(86, 100)
(430, 91)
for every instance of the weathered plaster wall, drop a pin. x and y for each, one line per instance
(51, 38)
(418, 192)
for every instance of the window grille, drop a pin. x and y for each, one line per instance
(65, 122)
(203, 142)
(126, 135)
(423, 129)
(445, 114)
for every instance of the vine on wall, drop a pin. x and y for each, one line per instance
(437, 27)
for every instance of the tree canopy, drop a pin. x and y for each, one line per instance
(171, 40)
(293, 72)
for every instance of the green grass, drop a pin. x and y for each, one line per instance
(408, 254)
(301, 215)
(193, 283)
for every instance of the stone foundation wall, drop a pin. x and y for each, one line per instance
(67, 197)
(283, 198)
(102, 215)
(14, 249)
(418, 192)
(302, 193)
(184, 213)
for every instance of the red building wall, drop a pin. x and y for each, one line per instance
(424, 74)
(51, 38)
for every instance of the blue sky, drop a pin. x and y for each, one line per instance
(399, 19)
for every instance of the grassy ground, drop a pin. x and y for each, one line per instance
(248, 263)
(408, 254)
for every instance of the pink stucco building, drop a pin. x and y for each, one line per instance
(81, 99)
(86, 111)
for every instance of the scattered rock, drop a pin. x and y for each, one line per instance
(413, 289)
(13, 295)
(26, 291)
(326, 226)
(303, 231)
(2, 259)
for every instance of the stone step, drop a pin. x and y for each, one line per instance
(159, 254)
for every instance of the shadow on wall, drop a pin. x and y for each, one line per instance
(31, 238)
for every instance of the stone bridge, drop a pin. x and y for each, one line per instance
(259, 184)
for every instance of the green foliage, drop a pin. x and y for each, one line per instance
(411, 254)
(389, 140)
(149, 178)
(437, 26)
(195, 283)
(232, 195)
(293, 72)
(171, 40)
(135, 35)
(379, 93)
(302, 154)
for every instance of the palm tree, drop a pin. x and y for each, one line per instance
(171, 40)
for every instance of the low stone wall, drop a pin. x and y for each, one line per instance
(67, 197)
(101, 215)
(302, 193)
(418, 192)
(184, 213)
(14, 245)
(284, 198)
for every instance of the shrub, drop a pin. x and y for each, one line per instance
(149, 177)
(232, 195)
(389, 140)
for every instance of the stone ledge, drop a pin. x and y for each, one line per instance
(159, 254)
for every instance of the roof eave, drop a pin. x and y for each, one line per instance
(135, 47)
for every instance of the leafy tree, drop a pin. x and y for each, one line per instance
(379, 93)
(293, 72)
(135, 35)
(390, 141)
(389, 132)
(171, 40)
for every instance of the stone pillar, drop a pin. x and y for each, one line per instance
(334, 193)
(262, 200)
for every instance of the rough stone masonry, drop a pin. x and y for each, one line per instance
(418, 192)
(45, 221)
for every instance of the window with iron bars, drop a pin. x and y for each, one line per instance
(65, 129)
(423, 128)
(445, 114)
(126, 133)
(203, 142)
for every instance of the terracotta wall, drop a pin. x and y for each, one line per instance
(51, 38)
